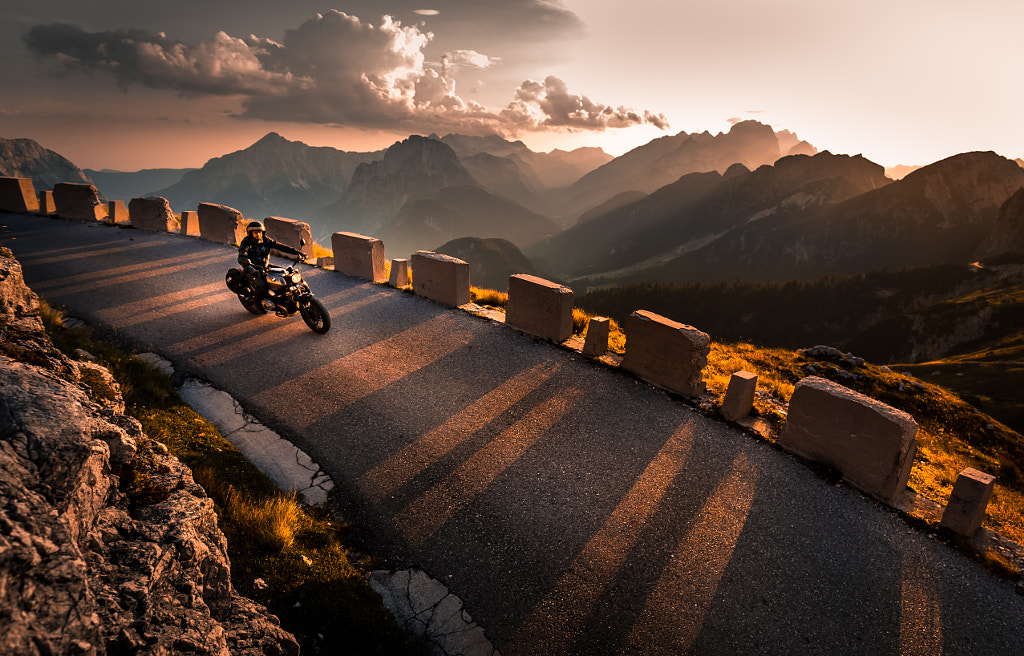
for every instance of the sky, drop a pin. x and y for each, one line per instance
(127, 85)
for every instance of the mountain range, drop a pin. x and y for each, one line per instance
(748, 204)
(801, 218)
(397, 192)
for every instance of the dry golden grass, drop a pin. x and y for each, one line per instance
(952, 435)
(321, 251)
(270, 523)
(488, 297)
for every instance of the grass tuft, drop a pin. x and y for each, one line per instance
(488, 297)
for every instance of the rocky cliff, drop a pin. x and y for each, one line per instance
(1008, 233)
(107, 545)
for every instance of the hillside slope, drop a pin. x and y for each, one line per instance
(701, 208)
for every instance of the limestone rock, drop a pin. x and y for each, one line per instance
(107, 544)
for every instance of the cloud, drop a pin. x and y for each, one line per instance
(332, 69)
(550, 104)
(470, 59)
(224, 65)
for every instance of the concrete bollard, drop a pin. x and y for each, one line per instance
(968, 501)
(739, 397)
(190, 223)
(666, 353)
(870, 443)
(596, 343)
(358, 255)
(399, 273)
(290, 232)
(46, 204)
(117, 212)
(153, 213)
(440, 278)
(17, 195)
(78, 202)
(221, 224)
(539, 307)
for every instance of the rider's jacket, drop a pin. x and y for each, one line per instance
(252, 253)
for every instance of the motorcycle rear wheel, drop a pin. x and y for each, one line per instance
(252, 306)
(315, 315)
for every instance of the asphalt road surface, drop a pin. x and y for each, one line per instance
(573, 509)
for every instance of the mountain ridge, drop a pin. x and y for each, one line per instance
(26, 158)
(939, 214)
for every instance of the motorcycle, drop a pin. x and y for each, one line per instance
(287, 293)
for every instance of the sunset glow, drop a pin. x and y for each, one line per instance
(174, 85)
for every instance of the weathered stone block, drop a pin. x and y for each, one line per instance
(666, 353)
(221, 224)
(440, 278)
(46, 204)
(117, 212)
(153, 213)
(399, 273)
(540, 307)
(17, 195)
(359, 256)
(870, 443)
(739, 397)
(596, 343)
(968, 501)
(190, 223)
(78, 202)
(290, 232)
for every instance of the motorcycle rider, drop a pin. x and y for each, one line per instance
(254, 255)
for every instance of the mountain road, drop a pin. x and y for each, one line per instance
(571, 507)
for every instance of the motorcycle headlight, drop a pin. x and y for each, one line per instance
(296, 278)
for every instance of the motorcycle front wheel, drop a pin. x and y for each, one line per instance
(315, 315)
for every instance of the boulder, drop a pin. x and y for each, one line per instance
(666, 353)
(539, 307)
(78, 202)
(290, 232)
(190, 223)
(153, 213)
(870, 443)
(359, 256)
(17, 195)
(221, 224)
(117, 212)
(440, 278)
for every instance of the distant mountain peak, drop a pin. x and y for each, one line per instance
(271, 138)
(25, 158)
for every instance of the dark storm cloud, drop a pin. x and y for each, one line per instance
(221, 66)
(332, 69)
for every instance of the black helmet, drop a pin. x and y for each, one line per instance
(255, 225)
